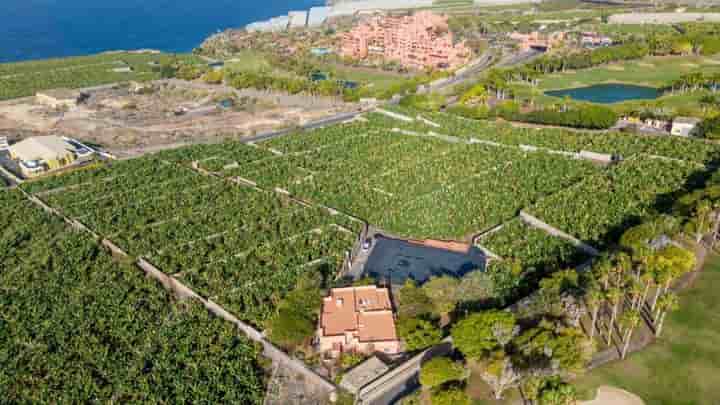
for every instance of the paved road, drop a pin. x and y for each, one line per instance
(483, 63)
(520, 58)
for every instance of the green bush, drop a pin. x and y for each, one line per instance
(452, 396)
(583, 116)
(440, 370)
(418, 334)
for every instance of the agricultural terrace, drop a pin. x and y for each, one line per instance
(598, 209)
(239, 246)
(23, 79)
(538, 251)
(76, 325)
(418, 186)
(615, 143)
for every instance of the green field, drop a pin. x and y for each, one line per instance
(681, 368)
(651, 71)
(208, 232)
(75, 326)
(23, 79)
(409, 185)
(245, 247)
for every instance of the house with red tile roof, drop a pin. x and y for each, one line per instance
(357, 319)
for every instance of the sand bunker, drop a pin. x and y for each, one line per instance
(607, 395)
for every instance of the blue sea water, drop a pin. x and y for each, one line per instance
(35, 29)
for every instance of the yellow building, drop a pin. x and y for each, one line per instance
(40, 154)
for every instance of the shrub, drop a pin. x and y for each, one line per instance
(440, 370)
(452, 396)
(418, 334)
(583, 116)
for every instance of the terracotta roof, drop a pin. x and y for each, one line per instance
(376, 326)
(366, 311)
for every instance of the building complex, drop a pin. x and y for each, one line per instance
(417, 41)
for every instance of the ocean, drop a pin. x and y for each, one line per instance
(38, 29)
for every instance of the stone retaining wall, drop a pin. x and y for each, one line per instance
(536, 223)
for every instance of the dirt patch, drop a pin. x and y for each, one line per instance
(647, 65)
(607, 395)
(616, 68)
(130, 118)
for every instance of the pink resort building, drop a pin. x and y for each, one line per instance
(421, 40)
(357, 319)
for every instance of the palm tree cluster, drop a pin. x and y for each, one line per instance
(634, 285)
(695, 81)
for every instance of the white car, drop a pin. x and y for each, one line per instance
(367, 244)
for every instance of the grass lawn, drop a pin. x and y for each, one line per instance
(682, 368)
(248, 60)
(378, 79)
(650, 71)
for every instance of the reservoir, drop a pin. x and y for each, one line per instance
(607, 93)
(397, 260)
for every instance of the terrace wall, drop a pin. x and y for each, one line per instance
(535, 222)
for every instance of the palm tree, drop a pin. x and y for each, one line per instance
(614, 295)
(648, 279)
(702, 215)
(602, 273)
(630, 320)
(594, 299)
(668, 302)
(635, 290)
(663, 275)
(623, 264)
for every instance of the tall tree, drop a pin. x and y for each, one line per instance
(594, 300)
(418, 334)
(484, 332)
(500, 373)
(412, 301)
(669, 302)
(559, 394)
(630, 320)
(614, 295)
(443, 292)
(440, 370)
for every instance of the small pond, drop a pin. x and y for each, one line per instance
(608, 93)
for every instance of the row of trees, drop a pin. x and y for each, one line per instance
(586, 59)
(633, 285)
(695, 81)
(576, 115)
(288, 84)
(422, 311)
